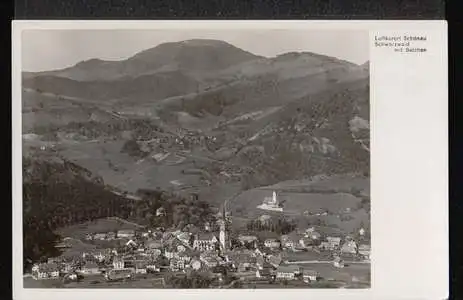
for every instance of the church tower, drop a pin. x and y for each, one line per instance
(223, 230)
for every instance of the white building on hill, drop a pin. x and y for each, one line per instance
(271, 203)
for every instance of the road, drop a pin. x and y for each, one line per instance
(323, 262)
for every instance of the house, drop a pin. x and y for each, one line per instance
(324, 246)
(66, 267)
(176, 265)
(90, 268)
(140, 267)
(305, 242)
(45, 271)
(118, 263)
(272, 243)
(205, 242)
(126, 233)
(242, 260)
(264, 273)
(364, 250)
(338, 262)
(290, 241)
(333, 242)
(349, 247)
(309, 276)
(151, 267)
(247, 239)
(97, 255)
(100, 236)
(289, 272)
(209, 261)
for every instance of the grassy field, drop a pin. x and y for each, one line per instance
(125, 172)
(346, 274)
(340, 183)
(335, 199)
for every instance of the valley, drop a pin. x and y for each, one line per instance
(199, 126)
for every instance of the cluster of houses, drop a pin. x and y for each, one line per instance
(202, 250)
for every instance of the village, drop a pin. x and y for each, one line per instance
(302, 258)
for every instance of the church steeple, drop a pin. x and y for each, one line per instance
(223, 230)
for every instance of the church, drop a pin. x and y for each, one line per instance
(271, 203)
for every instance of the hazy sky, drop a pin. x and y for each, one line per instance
(56, 49)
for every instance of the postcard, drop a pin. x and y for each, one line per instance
(182, 158)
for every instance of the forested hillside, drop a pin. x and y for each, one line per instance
(56, 195)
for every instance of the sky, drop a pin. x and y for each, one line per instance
(44, 50)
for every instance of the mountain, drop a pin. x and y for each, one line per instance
(143, 88)
(266, 83)
(239, 120)
(197, 55)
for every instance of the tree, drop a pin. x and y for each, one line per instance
(132, 148)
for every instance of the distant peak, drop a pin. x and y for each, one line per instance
(204, 42)
(92, 61)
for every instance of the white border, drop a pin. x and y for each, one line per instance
(409, 222)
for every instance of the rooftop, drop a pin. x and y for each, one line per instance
(288, 268)
(310, 272)
(206, 236)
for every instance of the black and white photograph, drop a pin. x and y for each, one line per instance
(195, 159)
